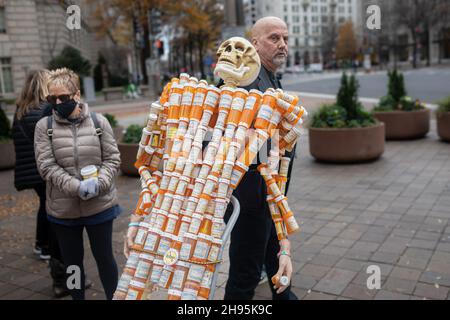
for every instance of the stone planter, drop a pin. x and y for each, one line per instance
(405, 125)
(8, 158)
(443, 125)
(113, 93)
(347, 145)
(128, 154)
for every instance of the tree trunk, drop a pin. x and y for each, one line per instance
(191, 55)
(146, 52)
(184, 55)
(427, 40)
(414, 60)
(201, 57)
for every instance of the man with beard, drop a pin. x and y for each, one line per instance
(254, 244)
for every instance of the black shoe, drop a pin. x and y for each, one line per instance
(45, 253)
(61, 291)
(37, 250)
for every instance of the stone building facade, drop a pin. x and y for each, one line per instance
(393, 44)
(32, 32)
(310, 23)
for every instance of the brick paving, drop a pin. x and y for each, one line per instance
(393, 213)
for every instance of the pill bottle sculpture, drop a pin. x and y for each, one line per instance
(186, 190)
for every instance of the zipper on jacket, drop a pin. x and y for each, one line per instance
(75, 148)
(74, 129)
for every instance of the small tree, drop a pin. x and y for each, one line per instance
(397, 98)
(347, 112)
(346, 44)
(71, 58)
(396, 87)
(348, 96)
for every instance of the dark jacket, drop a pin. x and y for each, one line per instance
(26, 175)
(264, 81)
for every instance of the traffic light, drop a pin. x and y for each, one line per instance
(159, 45)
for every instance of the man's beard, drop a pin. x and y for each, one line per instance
(279, 60)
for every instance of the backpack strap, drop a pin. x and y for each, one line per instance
(98, 129)
(50, 127)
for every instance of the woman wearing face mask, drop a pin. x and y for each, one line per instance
(31, 107)
(71, 139)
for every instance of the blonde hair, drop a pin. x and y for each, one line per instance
(34, 92)
(64, 77)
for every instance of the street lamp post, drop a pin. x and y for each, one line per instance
(306, 4)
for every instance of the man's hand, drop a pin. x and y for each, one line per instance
(285, 269)
(129, 240)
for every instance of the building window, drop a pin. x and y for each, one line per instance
(6, 82)
(2, 20)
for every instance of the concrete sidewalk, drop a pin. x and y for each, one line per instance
(393, 213)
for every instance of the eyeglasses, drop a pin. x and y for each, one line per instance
(63, 98)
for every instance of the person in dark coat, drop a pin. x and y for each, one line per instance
(254, 244)
(31, 107)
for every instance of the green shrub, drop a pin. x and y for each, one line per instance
(133, 134)
(408, 104)
(329, 116)
(444, 105)
(397, 99)
(111, 119)
(396, 86)
(71, 58)
(387, 103)
(348, 112)
(347, 96)
(5, 126)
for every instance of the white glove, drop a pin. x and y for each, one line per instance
(88, 189)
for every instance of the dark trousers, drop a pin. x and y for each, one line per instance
(70, 239)
(254, 242)
(42, 224)
(46, 238)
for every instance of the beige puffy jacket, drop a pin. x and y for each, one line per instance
(59, 161)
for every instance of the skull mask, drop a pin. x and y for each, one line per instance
(238, 62)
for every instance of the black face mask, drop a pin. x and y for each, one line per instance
(65, 109)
